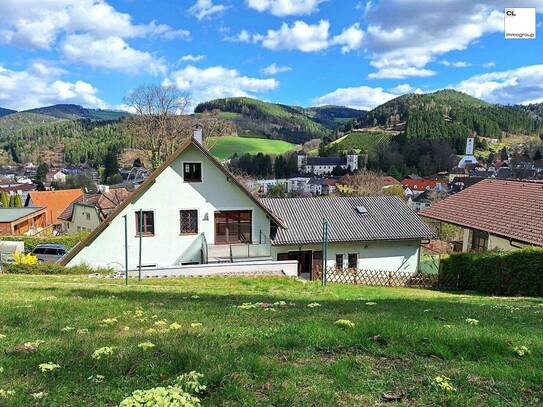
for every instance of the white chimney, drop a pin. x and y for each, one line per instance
(198, 134)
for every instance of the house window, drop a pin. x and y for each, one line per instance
(88, 215)
(479, 242)
(147, 225)
(189, 222)
(352, 260)
(192, 172)
(339, 261)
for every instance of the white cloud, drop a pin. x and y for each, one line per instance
(206, 9)
(406, 36)
(489, 65)
(274, 69)
(516, 86)
(38, 23)
(404, 88)
(361, 97)
(454, 64)
(283, 8)
(242, 36)
(300, 36)
(111, 53)
(217, 82)
(40, 85)
(351, 38)
(192, 58)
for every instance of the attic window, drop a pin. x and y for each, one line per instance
(361, 209)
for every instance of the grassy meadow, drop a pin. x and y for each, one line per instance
(226, 146)
(363, 141)
(282, 348)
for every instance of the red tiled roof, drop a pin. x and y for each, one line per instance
(512, 209)
(419, 184)
(54, 201)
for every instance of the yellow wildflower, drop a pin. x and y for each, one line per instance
(195, 325)
(344, 323)
(146, 345)
(174, 326)
(103, 352)
(48, 367)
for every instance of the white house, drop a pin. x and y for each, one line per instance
(325, 165)
(192, 211)
(364, 232)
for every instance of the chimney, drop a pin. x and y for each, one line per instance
(198, 133)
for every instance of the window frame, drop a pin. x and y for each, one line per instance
(144, 233)
(477, 239)
(181, 233)
(192, 180)
(340, 255)
(349, 260)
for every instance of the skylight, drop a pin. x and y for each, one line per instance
(361, 209)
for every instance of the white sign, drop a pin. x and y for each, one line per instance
(520, 23)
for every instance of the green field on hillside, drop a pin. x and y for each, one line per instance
(362, 140)
(226, 146)
(269, 341)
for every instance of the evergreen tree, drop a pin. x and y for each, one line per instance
(504, 155)
(18, 201)
(41, 172)
(4, 198)
(111, 167)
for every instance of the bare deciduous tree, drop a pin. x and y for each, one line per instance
(159, 121)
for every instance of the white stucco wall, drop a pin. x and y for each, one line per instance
(79, 218)
(389, 256)
(166, 197)
(494, 242)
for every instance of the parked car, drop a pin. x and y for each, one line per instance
(49, 253)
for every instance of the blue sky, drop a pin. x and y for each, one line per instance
(305, 52)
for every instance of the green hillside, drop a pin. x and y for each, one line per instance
(75, 112)
(362, 141)
(290, 123)
(5, 112)
(226, 146)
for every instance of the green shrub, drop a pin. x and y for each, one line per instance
(51, 268)
(31, 242)
(518, 272)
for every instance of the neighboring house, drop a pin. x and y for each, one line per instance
(495, 214)
(314, 186)
(21, 221)
(325, 165)
(86, 213)
(420, 201)
(460, 183)
(366, 232)
(193, 211)
(56, 176)
(22, 189)
(297, 185)
(417, 186)
(53, 201)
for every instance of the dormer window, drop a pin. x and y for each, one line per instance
(192, 172)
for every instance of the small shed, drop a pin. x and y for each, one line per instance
(20, 221)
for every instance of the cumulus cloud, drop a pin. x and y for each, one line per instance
(404, 88)
(111, 53)
(192, 58)
(490, 65)
(274, 69)
(406, 36)
(242, 36)
(351, 38)
(515, 86)
(361, 97)
(299, 36)
(454, 64)
(39, 85)
(217, 82)
(203, 9)
(283, 8)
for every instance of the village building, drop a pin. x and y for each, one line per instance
(22, 221)
(494, 214)
(326, 165)
(54, 202)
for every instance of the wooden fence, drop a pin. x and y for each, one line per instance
(377, 277)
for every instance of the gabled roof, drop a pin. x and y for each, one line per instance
(387, 219)
(507, 208)
(327, 161)
(104, 202)
(54, 201)
(150, 181)
(12, 214)
(419, 184)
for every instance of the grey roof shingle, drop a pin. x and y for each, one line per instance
(388, 218)
(326, 161)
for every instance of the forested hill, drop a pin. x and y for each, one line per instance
(452, 115)
(291, 123)
(4, 112)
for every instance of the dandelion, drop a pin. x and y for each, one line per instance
(313, 305)
(344, 323)
(34, 344)
(4, 394)
(82, 331)
(195, 325)
(521, 351)
(472, 321)
(109, 321)
(48, 367)
(138, 313)
(371, 303)
(146, 345)
(444, 384)
(174, 327)
(161, 324)
(67, 329)
(38, 396)
(151, 331)
(103, 352)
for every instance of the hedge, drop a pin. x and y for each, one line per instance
(31, 242)
(518, 272)
(51, 268)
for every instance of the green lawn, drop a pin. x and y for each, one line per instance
(362, 140)
(225, 147)
(289, 355)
